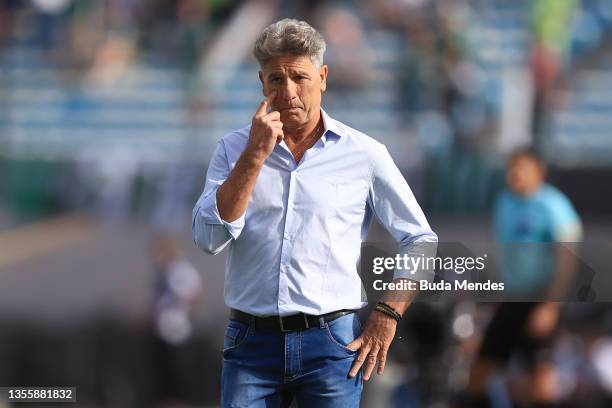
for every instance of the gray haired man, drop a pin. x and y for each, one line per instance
(292, 195)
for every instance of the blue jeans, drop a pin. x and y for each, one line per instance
(266, 368)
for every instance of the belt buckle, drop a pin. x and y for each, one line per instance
(282, 327)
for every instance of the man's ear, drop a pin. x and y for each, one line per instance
(323, 74)
(263, 91)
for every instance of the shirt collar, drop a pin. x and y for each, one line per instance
(331, 126)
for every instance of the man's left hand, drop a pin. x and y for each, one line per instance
(373, 344)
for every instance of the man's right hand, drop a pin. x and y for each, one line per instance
(266, 131)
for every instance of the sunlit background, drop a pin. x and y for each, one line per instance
(110, 111)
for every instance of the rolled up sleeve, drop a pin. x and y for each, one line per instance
(210, 232)
(398, 211)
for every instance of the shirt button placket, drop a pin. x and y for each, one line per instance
(287, 244)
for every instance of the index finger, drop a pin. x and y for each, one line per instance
(361, 358)
(263, 106)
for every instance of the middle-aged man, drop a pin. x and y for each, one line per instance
(293, 195)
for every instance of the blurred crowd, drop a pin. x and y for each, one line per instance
(86, 33)
(448, 105)
(445, 102)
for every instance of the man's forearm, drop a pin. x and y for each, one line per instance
(234, 194)
(400, 300)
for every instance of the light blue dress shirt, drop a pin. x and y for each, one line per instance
(297, 246)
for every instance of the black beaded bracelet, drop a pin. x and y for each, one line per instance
(388, 313)
(388, 310)
(387, 306)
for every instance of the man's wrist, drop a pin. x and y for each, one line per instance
(401, 306)
(388, 310)
(384, 317)
(252, 157)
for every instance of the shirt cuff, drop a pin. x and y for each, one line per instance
(210, 214)
(422, 266)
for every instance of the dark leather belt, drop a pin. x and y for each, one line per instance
(294, 322)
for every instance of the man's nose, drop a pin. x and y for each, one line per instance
(287, 91)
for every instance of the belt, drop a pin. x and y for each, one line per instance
(294, 322)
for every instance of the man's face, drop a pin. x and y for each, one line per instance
(298, 85)
(524, 175)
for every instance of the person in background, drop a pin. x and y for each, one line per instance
(178, 288)
(529, 217)
(550, 44)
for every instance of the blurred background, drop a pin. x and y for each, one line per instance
(110, 111)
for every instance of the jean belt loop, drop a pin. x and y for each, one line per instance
(252, 325)
(321, 322)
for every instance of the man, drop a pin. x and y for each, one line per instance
(293, 195)
(529, 218)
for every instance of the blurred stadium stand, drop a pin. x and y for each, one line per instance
(143, 106)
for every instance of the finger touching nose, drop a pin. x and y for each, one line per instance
(270, 97)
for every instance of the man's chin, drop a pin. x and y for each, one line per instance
(292, 120)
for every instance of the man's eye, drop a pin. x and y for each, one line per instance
(301, 78)
(275, 79)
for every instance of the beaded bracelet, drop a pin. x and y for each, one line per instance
(388, 310)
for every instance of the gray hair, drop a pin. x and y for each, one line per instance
(290, 37)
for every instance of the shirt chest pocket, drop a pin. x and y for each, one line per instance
(332, 195)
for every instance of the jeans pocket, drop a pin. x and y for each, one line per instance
(358, 319)
(343, 331)
(236, 334)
